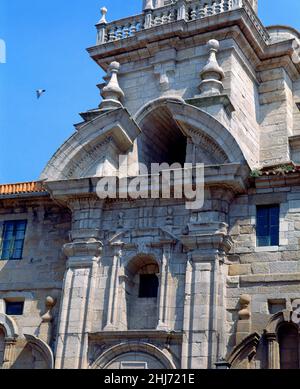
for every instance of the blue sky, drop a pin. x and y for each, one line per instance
(46, 42)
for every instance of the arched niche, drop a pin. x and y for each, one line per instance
(142, 309)
(173, 131)
(33, 353)
(134, 352)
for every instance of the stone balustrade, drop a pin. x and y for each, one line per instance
(188, 10)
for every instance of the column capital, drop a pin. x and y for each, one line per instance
(271, 336)
(92, 248)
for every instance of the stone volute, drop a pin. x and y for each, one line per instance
(212, 74)
(111, 92)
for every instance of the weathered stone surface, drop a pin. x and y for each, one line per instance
(212, 287)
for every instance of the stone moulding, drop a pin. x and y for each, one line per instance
(268, 278)
(133, 347)
(186, 116)
(78, 153)
(10, 326)
(246, 349)
(277, 320)
(43, 348)
(208, 101)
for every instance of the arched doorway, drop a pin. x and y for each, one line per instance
(288, 338)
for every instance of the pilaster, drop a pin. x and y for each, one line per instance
(204, 312)
(83, 255)
(9, 353)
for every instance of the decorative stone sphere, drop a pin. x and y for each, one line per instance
(245, 299)
(114, 66)
(213, 44)
(50, 301)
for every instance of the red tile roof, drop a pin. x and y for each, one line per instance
(22, 188)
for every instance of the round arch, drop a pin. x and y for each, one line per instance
(9, 325)
(133, 347)
(174, 112)
(43, 348)
(277, 320)
(133, 264)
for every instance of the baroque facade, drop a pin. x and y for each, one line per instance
(91, 283)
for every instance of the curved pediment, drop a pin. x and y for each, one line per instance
(95, 148)
(165, 131)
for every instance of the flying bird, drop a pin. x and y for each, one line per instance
(40, 92)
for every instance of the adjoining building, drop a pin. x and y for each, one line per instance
(91, 283)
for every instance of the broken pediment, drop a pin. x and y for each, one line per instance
(142, 239)
(95, 148)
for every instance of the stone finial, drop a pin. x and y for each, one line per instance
(212, 74)
(112, 93)
(45, 329)
(148, 5)
(103, 18)
(244, 323)
(244, 313)
(49, 303)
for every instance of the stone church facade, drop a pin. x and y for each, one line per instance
(91, 283)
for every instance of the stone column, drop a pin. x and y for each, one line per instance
(273, 351)
(9, 353)
(112, 306)
(164, 290)
(187, 314)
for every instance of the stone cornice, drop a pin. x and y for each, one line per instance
(207, 237)
(136, 334)
(232, 176)
(91, 248)
(179, 33)
(277, 181)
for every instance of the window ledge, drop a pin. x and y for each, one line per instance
(266, 248)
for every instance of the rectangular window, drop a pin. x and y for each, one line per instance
(267, 225)
(13, 239)
(148, 286)
(134, 365)
(14, 308)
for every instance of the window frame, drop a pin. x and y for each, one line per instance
(8, 302)
(273, 238)
(15, 244)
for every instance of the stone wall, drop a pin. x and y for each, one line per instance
(41, 270)
(270, 275)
